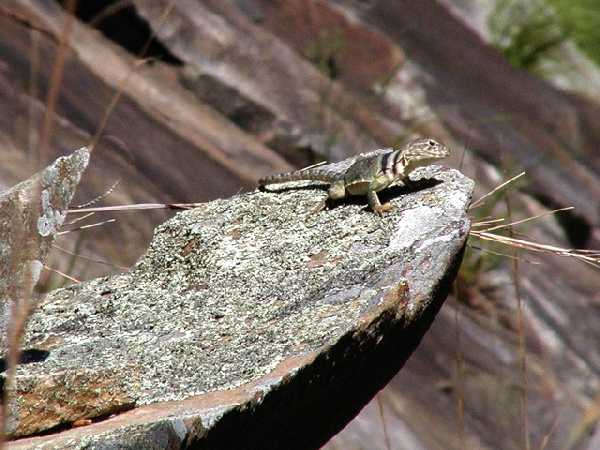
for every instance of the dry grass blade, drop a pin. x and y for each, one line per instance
(108, 11)
(383, 421)
(83, 227)
(478, 201)
(113, 103)
(137, 206)
(78, 219)
(485, 223)
(546, 439)
(98, 261)
(100, 197)
(505, 255)
(584, 426)
(529, 218)
(62, 274)
(588, 256)
(460, 404)
(314, 165)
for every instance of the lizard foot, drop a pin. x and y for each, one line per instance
(380, 209)
(320, 207)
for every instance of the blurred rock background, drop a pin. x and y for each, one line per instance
(216, 94)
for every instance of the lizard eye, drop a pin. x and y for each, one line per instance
(431, 143)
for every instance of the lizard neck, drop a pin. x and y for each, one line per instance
(409, 164)
(402, 166)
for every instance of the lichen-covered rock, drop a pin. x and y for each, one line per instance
(250, 322)
(31, 214)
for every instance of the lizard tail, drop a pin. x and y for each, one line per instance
(315, 174)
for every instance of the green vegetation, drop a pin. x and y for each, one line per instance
(528, 33)
(582, 19)
(323, 52)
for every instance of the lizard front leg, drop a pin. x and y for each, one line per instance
(378, 184)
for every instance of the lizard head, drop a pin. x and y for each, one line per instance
(423, 152)
(426, 150)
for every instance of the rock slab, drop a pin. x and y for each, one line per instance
(31, 214)
(251, 322)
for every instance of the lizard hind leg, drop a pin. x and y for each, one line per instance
(337, 190)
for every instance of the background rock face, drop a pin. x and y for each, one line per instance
(242, 89)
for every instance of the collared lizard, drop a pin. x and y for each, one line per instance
(371, 172)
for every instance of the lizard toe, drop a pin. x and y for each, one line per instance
(380, 209)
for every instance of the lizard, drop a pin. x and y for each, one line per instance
(370, 172)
